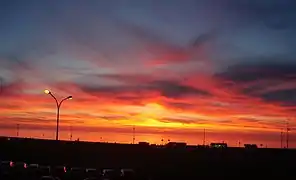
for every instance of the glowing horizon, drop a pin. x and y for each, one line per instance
(170, 71)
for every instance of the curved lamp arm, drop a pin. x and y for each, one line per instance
(59, 104)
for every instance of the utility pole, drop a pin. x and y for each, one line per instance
(287, 135)
(17, 130)
(204, 137)
(71, 133)
(134, 138)
(281, 138)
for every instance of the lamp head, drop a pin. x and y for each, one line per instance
(46, 91)
(69, 97)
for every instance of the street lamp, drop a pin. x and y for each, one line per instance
(58, 109)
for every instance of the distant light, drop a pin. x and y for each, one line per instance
(11, 164)
(25, 165)
(46, 91)
(65, 169)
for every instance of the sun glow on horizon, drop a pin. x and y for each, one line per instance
(153, 109)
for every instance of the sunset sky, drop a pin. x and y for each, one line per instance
(171, 68)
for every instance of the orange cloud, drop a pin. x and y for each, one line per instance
(154, 106)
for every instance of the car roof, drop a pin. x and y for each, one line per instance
(91, 169)
(108, 169)
(3, 162)
(47, 177)
(44, 166)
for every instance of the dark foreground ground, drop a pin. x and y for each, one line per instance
(156, 162)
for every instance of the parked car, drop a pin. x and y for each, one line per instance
(60, 171)
(49, 178)
(91, 172)
(128, 173)
(44, 170)
(77, 173)
(6, 166)
(33, 166)
(110, 174)
(20, 165)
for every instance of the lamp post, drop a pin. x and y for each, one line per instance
(58, 109)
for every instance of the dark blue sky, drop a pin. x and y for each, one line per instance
(231, 31)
